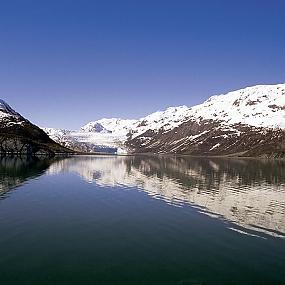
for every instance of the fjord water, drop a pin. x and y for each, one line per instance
(142, 220)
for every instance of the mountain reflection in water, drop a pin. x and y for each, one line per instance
(249, 193)
(14, 171)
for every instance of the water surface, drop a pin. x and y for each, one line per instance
(142, 220)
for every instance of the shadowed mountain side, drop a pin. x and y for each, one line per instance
(19, 136)
(14, 171)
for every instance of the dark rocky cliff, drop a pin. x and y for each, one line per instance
(19, 136)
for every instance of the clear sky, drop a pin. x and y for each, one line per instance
(64, 63)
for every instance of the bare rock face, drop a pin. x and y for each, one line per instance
(210, 138)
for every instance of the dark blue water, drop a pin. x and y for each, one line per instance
(142, 220)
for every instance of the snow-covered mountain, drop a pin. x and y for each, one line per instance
(111, 134)
(259, 106)
(114, 125)
(18, 135)
(168, 119)
(209, 128)
(246, 122)
(7, 114)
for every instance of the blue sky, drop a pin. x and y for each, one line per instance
(64, 63)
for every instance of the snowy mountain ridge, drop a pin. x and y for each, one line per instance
(7, 112)
(170, 118)
(113, 125)
(112, 133)
(260, 106)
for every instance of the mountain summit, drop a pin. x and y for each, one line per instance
(6, 110)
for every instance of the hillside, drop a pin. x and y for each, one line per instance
(19, 136)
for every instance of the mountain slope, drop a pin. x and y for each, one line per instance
(259, 106)
(249, 122)
(110, 135)
(18, 135)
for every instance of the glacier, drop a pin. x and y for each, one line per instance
(261, 106)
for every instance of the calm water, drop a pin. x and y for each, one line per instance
(142, 220)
